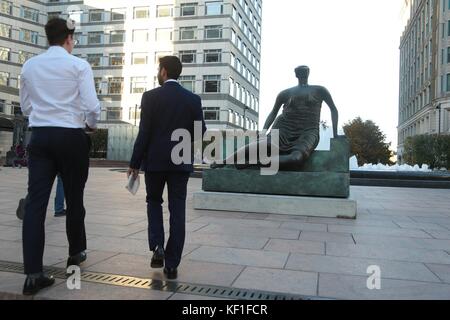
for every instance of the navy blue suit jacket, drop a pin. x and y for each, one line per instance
(164, 110)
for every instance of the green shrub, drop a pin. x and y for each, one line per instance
(433, 150)
(99, 144)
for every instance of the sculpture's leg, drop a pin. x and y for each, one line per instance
(292, 161)
(242, 153)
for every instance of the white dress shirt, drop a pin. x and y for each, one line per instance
(57, 90)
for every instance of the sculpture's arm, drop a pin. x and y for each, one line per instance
(334, 112)
(273, 115)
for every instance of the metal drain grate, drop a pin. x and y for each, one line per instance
(168, 286)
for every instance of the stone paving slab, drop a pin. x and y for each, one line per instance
(404, 231)
(358, 266)
(295, 282)
(327, 237)
(388, 252)
(355, 288)
(245, 257)
(189, 271)
(95, 291)
(296, 246)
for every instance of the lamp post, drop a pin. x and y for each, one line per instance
(439, 125)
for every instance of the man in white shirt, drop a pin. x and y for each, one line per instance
(58, 94)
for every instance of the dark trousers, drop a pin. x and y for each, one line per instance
(51, 151)
(177, 190)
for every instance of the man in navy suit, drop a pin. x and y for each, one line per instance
(163, 111)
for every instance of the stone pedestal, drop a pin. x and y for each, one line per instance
(321, 188)
(275, 204)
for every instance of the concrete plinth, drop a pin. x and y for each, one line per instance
(276, 204)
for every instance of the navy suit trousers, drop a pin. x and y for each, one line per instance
(177, 190)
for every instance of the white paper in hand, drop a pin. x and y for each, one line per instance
(133, 184)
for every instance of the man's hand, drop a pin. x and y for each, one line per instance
(134, 172)
(89, 129)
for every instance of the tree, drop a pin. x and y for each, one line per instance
(433, 150)
(367, 142)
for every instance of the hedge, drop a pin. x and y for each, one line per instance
(433, 150)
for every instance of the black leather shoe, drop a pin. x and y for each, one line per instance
(158, 258)
(33, 284)
(76, 260)
(60, 214)
(171, 273)
(20, 212)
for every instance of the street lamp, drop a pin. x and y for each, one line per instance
(438, 107)
(135, 114)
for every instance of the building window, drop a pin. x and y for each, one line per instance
(29, 14)
(448, 82)
(164, 34)
(115, 85)
(188, 56)
(234, 14)
(188, 82)
(214, 8)
(24, 56)
(140, 35)
(164, 11)
(29, 36)
(6, 7)
(188, 33)
(116, 59)
(5, 30)
(95, 37)
(231, 87)
(4, 53)
(141, 12)
(113, 113)
(160, 54)
(98, 85)
(188, 9)
(211, 84)
(233, 36)
(2, 106)
(138, 84)
(139, 58)
(211, 113)
(213, 56)
(95, 15)
(117, 37)
(52, 15)
(134, 113)
(213, 32)
(15, 106)
(118, 14)
(4, 78)
(95, 60)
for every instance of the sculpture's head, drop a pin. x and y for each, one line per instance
(302, 72)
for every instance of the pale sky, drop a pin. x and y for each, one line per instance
(351, 47)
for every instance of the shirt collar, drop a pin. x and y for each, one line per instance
(57, 49)
(171, 80)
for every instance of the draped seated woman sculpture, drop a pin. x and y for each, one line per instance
(298, 125)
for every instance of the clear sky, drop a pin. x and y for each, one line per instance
(351, 47)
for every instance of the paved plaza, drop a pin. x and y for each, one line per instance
(406, 232)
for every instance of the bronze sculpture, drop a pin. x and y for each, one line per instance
(298, 125)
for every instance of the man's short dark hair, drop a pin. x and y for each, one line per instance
(172, 65)
(57, 31)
